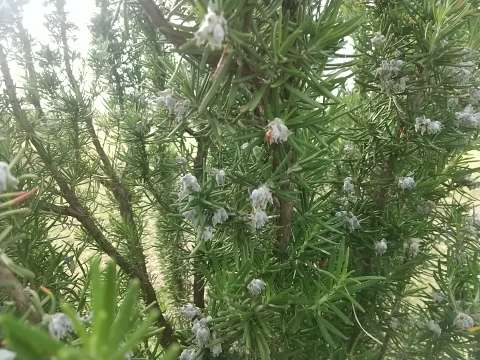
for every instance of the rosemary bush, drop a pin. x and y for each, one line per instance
(271, 179)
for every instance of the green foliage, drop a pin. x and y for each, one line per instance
(304, 173)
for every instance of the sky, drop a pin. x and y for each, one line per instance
(79, 12)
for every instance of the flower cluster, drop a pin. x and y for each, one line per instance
(7, 180)
(59, 325)
(277, 132)
(204, 338)
(378, 40)
(189, 185)
(256, 287)
(406, 183)
(348, 185)
(260, 198)
(426, 207)
(219, 175)
(424, 125)
(468, 118)
(381, 247)
(173, 104)
(351, 221)
(212, 30)
(219, 216)
(190, 311)
(388, 73)
(463, 321)
(412, 246)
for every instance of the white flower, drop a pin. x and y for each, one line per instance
(167, 100)
(424, 125)
(389, 68)
(220, 177)
(277, 132)
(190, 311)
(189, 185)
(244, 146)
(437, 296)
(387, 73)
(59, 325)
(256, 287)
(468, 117)
(201, 331)
(406, 183)
(216, 349)
(259, 218)
(433, 326)
(381, 247)
(426, 207)
(173, 104)
(348, 186)
(475, 95)
(187, 354)
(350, 220)
(192, 216)
(128, 356)
(220, 216)
(6, 178)
(207, 233)
(463, 321)
(181, 109)
(378, 40)
(261, 197)
(212, 30)
(412, 246)
(7, 354)
(434, 127)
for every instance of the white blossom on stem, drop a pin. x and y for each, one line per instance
(220, 216)
(256, 287)
(277, 132)
(59, 325)
(424, 125)
(468, 118)
(412, 246)
(187, 354)
(261, 197)
(351, 221)
(207, 233)
(6, 178)
(190, 311)
(378, 40)
(381, 247)
(406, 182)
(212, 30)
(348, 185)
(189, 185)
(259, 218)
(201, 332)
(463, 321)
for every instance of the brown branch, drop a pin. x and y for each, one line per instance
(198, 278)
(154, 13)
(285, 206)
(15, 291)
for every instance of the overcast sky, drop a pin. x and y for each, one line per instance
(79, 12)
